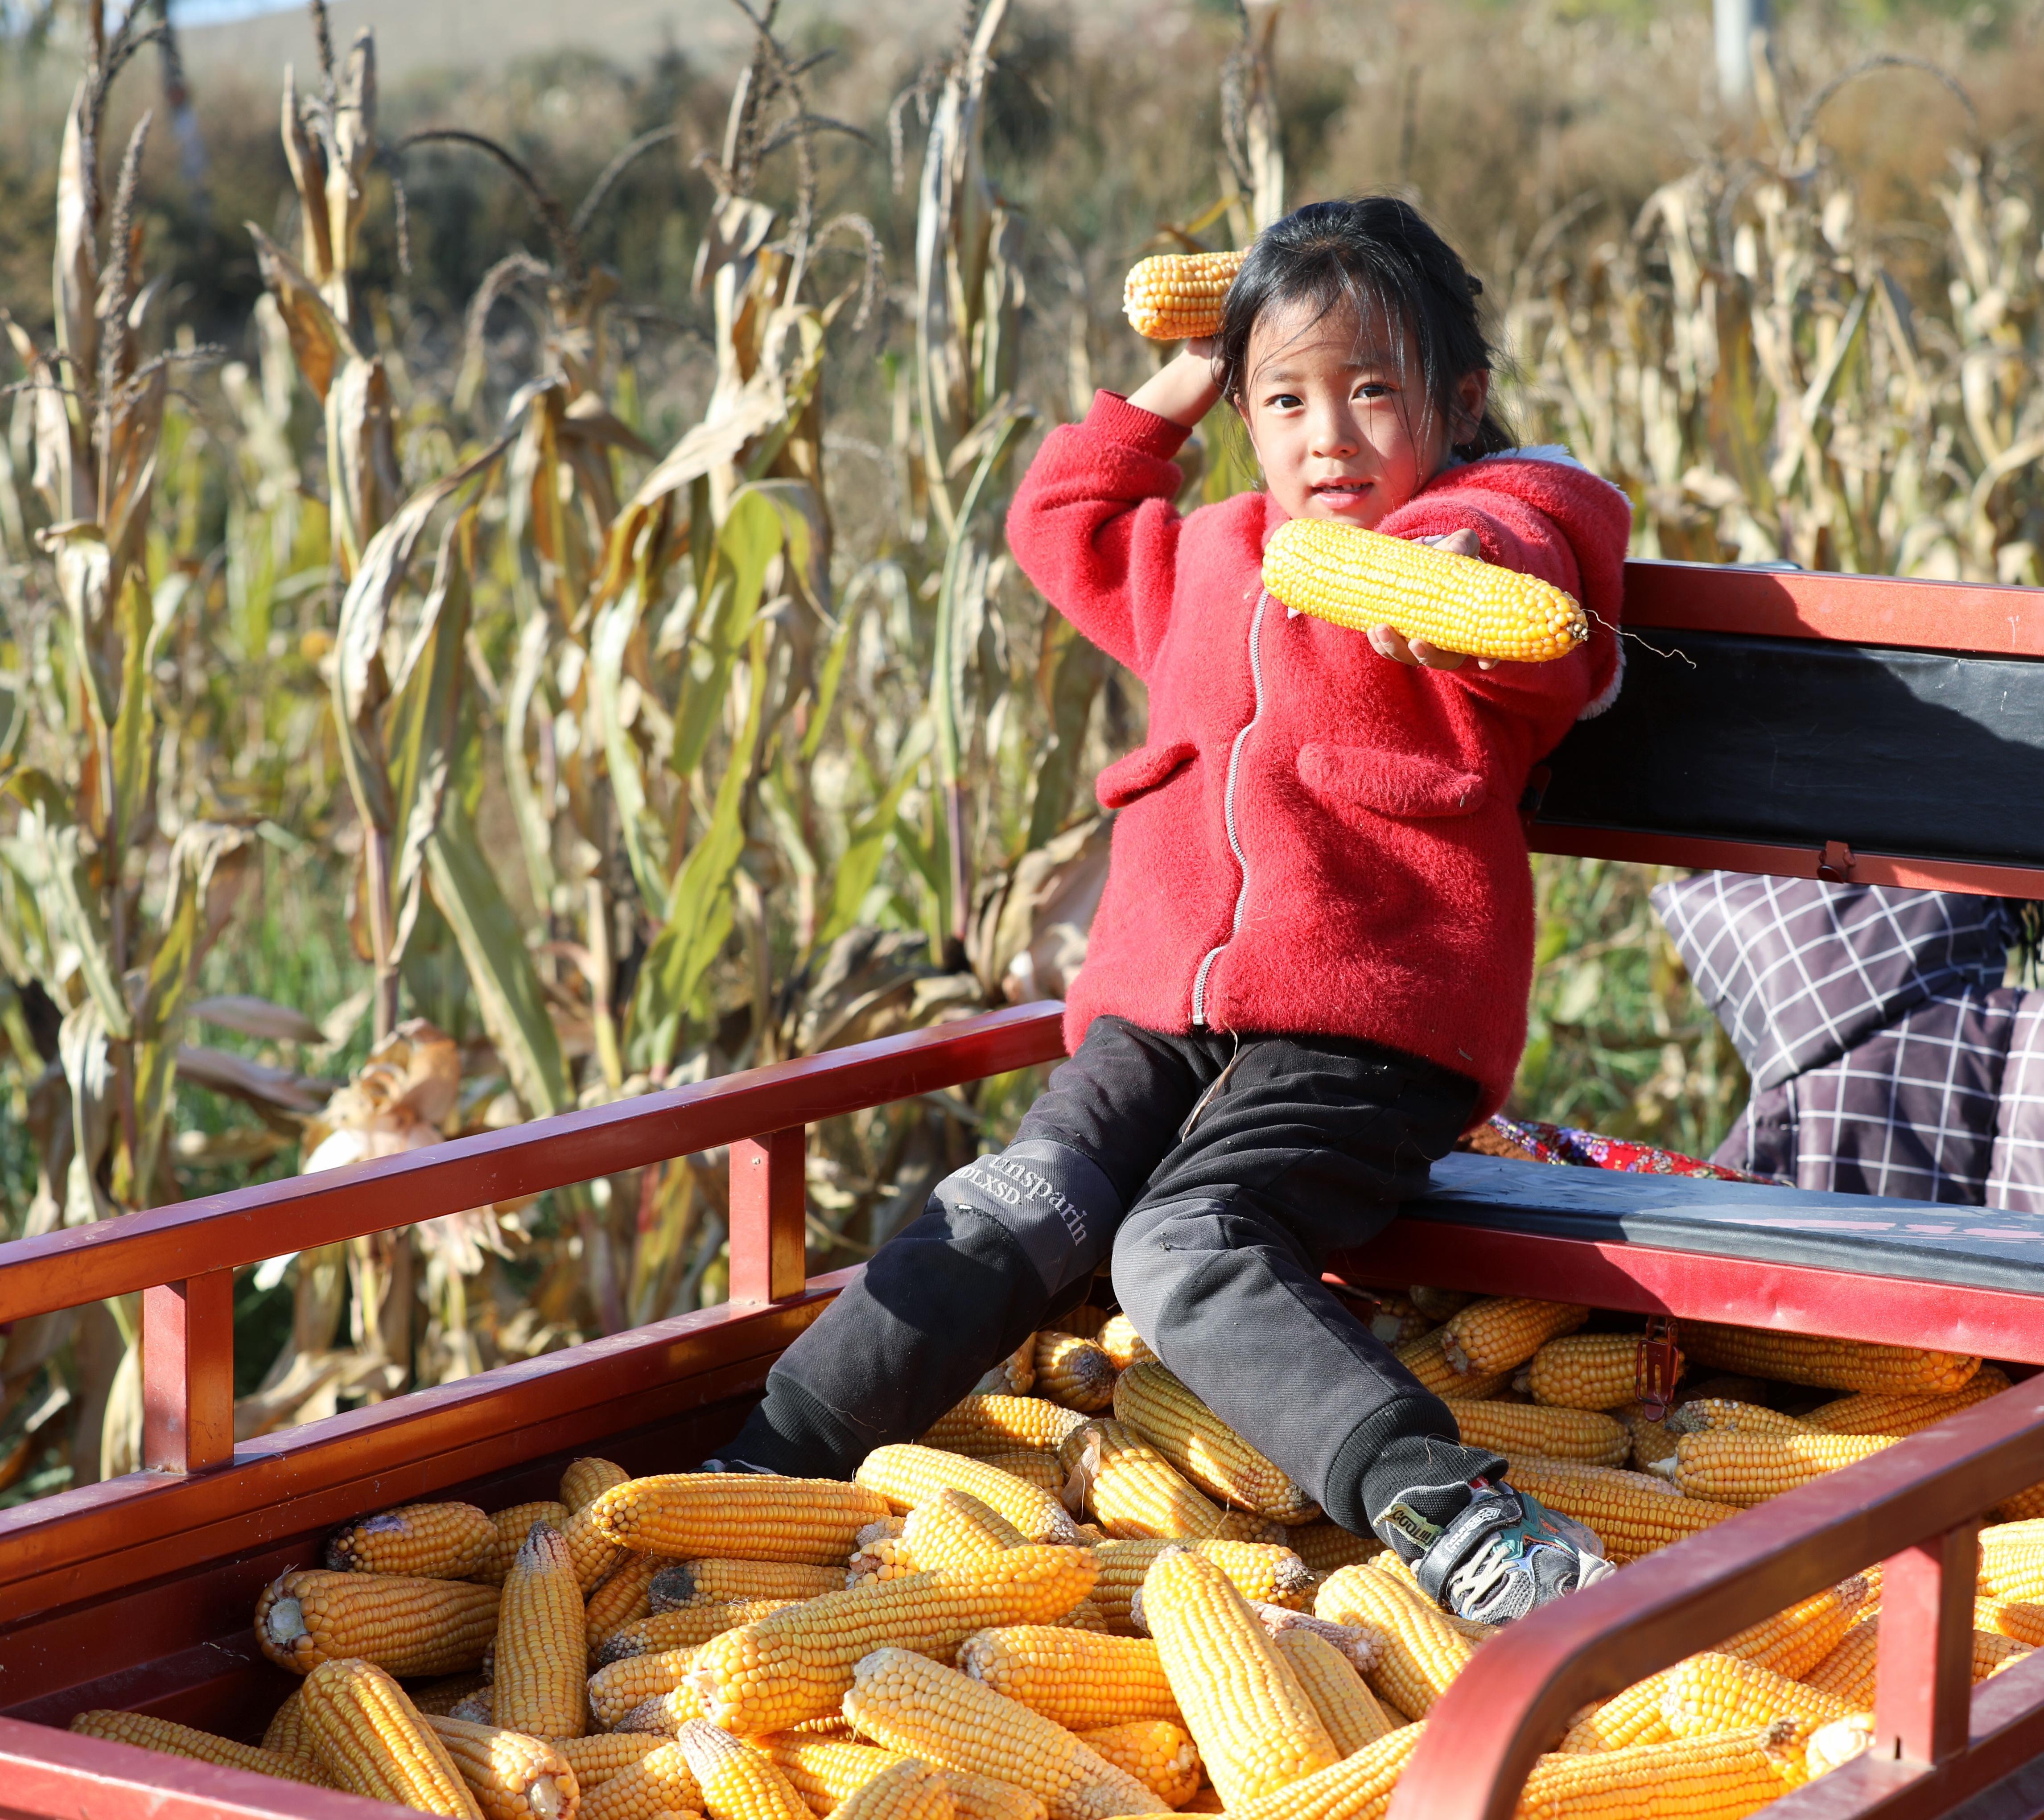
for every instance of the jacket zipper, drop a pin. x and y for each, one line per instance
(1227, 814)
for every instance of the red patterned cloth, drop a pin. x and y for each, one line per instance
(1540, 1142)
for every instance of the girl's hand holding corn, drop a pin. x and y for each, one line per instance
(1388, 641)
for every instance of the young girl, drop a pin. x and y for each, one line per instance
(1310, 968)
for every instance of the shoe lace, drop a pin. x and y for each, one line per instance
(1472, 1584)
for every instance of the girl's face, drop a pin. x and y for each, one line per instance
(1342, 428)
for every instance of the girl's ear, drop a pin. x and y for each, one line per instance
(1472, 398)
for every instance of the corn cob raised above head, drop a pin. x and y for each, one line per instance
(1015, 1376)
(1622, 1509)
(1903, 1412)
(1119, 1339)
(426, 1542)
(1587, 1371)
(146, 1732)
(1154, 1403)
(513, 1775)
(1131, 1490)
(1358, 1788)
(1361, 579)
(1832, 1364)
(905, 1476)
(982, 1425)
(738, 1782)
(370, 1740)
(1158, 1754)
(1074, 1372)
(1424, 1652)
(1500, 1333)
(311, 1615)
(1551, 1433)
(798, 1664)
(1742, 1468)
(1343, 1701)
(658, 1786)
(512, 1525)
(921, 1709)
(1179, 296)
(1079, 1679)
(745, 1515)
(542, 1666)
(714, 1582)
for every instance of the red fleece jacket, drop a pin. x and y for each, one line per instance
(1316, 840)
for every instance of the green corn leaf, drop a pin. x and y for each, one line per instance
(645, 845)
(852, 876)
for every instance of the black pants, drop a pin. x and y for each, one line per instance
(1216, 1237)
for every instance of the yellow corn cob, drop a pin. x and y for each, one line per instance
(1175, 296)
(717, 1582)
(1721, 1777)
(1425, 1359)
(1713, 1693)
(922, 1708)
(746, 1516)
(1848, 1672)
(1130, 1489)
(602, 1755)
(1086, 1322)
(1632, 1716)
(1324, 1546)
(1077, 1679)
(1744, 1469)
(1794, 1642)
(1016, 1374)
(618, 1688)
(2012, 1559)
(982, 1425)
(477, 1709)
(1627, 1517)
(738, 1782)
(908, 1790)
(512, 1775)
(1422, 1652)
(1651, 1441)
(986, 1797)
(1158, 1754)
(1397, 1320)
(586, 1481)
(511, 1527)
(954, 1526)
(1836, 1365)
(1899, 1413)
(593, 1555)
(1032, 1465)
(688, 1625)
(2018, 1619)
(1727, 1415)
(311, 1615)
(372, 1742)
(901, 1477)
(1500, 1333)
(286, 1733)
(659, 1786)
(1837, 1743)
(625, 1597)
(146, 1732)
(1358, 1788)
(1398, 1575)
(825, 1772)
(798, 1664)
(424, 1541)
(1588, 1371)
(1269, 1575)
(1553, 1434)
(542, 1666)
(2027, 1504)
(440, 1696)
(1072, 1371)
(1153, 1404)
(1120, 1342)
(888, 1558)
(1346, 1706)
(1359, 579)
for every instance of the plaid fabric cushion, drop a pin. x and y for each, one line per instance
(2015, 1177)
(1799, 972)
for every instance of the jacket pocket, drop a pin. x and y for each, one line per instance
(1141, 772)
(1346, 778)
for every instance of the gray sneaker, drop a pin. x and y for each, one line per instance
(1486, 1552)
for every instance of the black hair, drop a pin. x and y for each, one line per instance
(1380, 255)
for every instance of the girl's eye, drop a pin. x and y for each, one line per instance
(1285, 401)
(1374, 388)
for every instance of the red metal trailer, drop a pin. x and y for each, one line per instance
(138, 1593)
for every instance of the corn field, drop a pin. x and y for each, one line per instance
(408, 733)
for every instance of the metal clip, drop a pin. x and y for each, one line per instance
(1656, 1367)
(1834, 863)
